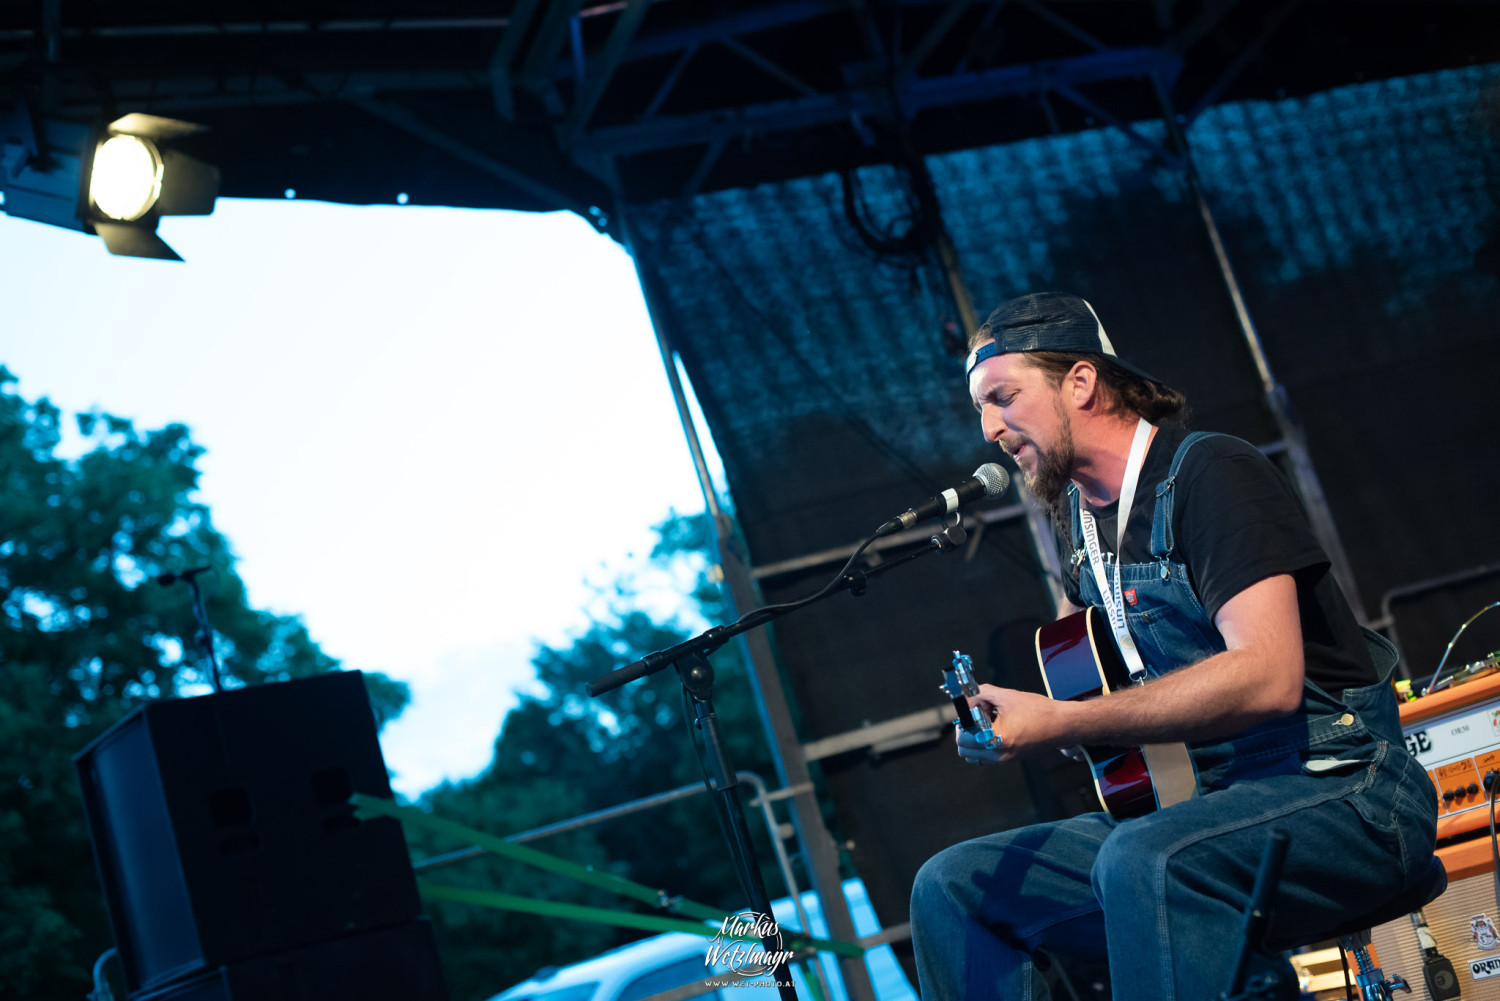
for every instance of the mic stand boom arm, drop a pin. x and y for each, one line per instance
(714, 637)
(690, 658)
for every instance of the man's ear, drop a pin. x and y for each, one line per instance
(1081, 384)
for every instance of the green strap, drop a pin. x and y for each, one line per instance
(367, 807)
(556, 909)
(814, 986)
(374, 806)
(623, 919)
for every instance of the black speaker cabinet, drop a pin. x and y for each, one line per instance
(222, 829)
(399, 963)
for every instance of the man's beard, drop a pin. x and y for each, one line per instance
(1054, 467)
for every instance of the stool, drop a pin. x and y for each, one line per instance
(1354, 935)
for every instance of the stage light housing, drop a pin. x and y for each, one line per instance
(114, 181)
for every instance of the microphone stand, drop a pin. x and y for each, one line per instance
(690, 658)
(205, 634)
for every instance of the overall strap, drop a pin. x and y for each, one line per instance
(1161, 518)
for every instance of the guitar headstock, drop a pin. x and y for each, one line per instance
(959, 685)
(958, 680)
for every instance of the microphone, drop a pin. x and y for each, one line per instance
(989, 480)
(172, 578)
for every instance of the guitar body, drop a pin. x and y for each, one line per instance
(1079, 660)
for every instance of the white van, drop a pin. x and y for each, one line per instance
(664, 962)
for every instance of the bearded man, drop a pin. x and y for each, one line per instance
(1200, 557)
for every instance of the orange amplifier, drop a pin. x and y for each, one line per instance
(1455, 734)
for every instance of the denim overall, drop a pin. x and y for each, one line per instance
(1162, 896)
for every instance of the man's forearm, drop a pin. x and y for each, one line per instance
(1215, 697)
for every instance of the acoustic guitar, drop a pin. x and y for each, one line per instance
(1079, 660)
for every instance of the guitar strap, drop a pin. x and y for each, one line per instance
(1112, 593)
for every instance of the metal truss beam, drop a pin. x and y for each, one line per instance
(706, 163)
(1110, 118)
(551, 36)
(1063, 24)
(264, 90)
(935, 35)
(1249, 52)
(670, 83)
(603, 70)
(505, 54)
(764, 17)
(664, 132)
(776, 15)
(983, 40)
(766, 66)
(669, 132)
(1207, 20)
(405, 120)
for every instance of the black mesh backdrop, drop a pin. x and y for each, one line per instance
(1363, 226)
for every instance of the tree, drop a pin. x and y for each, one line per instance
(85, 637)
(561, 754)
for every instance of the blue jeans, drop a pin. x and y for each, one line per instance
(1162, 897)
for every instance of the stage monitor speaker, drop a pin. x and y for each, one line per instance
(222, 829)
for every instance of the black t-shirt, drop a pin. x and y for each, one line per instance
(1235, 522)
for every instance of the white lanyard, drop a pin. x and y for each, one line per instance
(1114, 598)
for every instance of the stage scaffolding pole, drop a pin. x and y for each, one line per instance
(1038, 523)
(1290, 428)
(816, 844)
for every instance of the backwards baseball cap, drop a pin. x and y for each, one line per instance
(1047, 321)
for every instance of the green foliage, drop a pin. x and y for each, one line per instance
(561, 754)
(84, 638)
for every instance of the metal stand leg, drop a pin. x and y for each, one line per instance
(1372, 983)
(697, 676)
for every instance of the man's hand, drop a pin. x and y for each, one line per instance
(1025, 723)
(973, 752)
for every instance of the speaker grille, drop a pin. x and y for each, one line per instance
(1448, 916)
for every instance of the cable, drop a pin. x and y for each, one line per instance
(1493, 788)
(101, 991)
(1454, 640)
(821, 592)
(913, 243)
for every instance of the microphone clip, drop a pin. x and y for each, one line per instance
(858, 582)
(953, 534)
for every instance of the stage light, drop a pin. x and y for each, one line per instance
(114, 181)
(126, 178)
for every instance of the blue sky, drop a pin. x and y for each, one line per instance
(427, 428)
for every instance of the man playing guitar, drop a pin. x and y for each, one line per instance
(1204, 569)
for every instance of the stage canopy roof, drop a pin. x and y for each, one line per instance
(568, 103)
